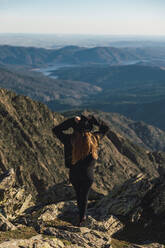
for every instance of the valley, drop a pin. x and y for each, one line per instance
(128, 81)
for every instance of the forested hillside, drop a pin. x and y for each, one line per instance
(29, 56)
(135, 91)
(57, 94)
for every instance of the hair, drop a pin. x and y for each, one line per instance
(83, 144)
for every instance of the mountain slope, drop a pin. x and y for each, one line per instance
(137, 132)
(27, 145)
(152, 113)
(30, 56)
(113, 77)
(23, 55)
(36, 197)
(55, 93)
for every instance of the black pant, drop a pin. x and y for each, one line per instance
(82, 190)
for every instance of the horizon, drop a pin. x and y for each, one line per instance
(83, 34)
(55, 40)
(122, 18)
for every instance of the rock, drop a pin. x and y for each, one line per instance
(122, 244)
(140, 205)
(57, 220)
(85, 237)
(104, 225)
(59, 210)
(64, 192)
(5, 225)
(34, 242)
(7, 179)
(126, 198)
(108, 226)
(14, 200)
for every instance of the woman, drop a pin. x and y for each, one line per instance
(80, 150)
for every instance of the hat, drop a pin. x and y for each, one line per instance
(84, 125)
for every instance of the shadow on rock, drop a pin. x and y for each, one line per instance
(140, 234)
(145, 223)
(62, 192)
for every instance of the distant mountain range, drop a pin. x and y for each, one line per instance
(30, 56)
(27, 56)
(98, 81)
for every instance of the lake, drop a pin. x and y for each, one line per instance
(51, 68)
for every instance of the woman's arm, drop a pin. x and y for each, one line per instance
(58, 130)
(103, 127)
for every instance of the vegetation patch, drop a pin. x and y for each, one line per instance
(119, 244)
(66, 242)
(56, 223)
(23, 233)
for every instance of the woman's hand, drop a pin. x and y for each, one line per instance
(77, 119)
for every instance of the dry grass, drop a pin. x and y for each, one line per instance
(23, 233)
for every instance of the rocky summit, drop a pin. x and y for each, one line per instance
(37, 203)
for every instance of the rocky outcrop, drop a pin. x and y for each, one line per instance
(57, 222)
(130, 216)
(27, 144)
(5, 225)
(37, 203)
(14, 200)
(140, 205)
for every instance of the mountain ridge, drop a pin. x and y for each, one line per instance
(31, 56)
(26, 127)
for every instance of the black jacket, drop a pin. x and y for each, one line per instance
(66, 138)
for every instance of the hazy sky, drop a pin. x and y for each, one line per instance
(144, 17)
